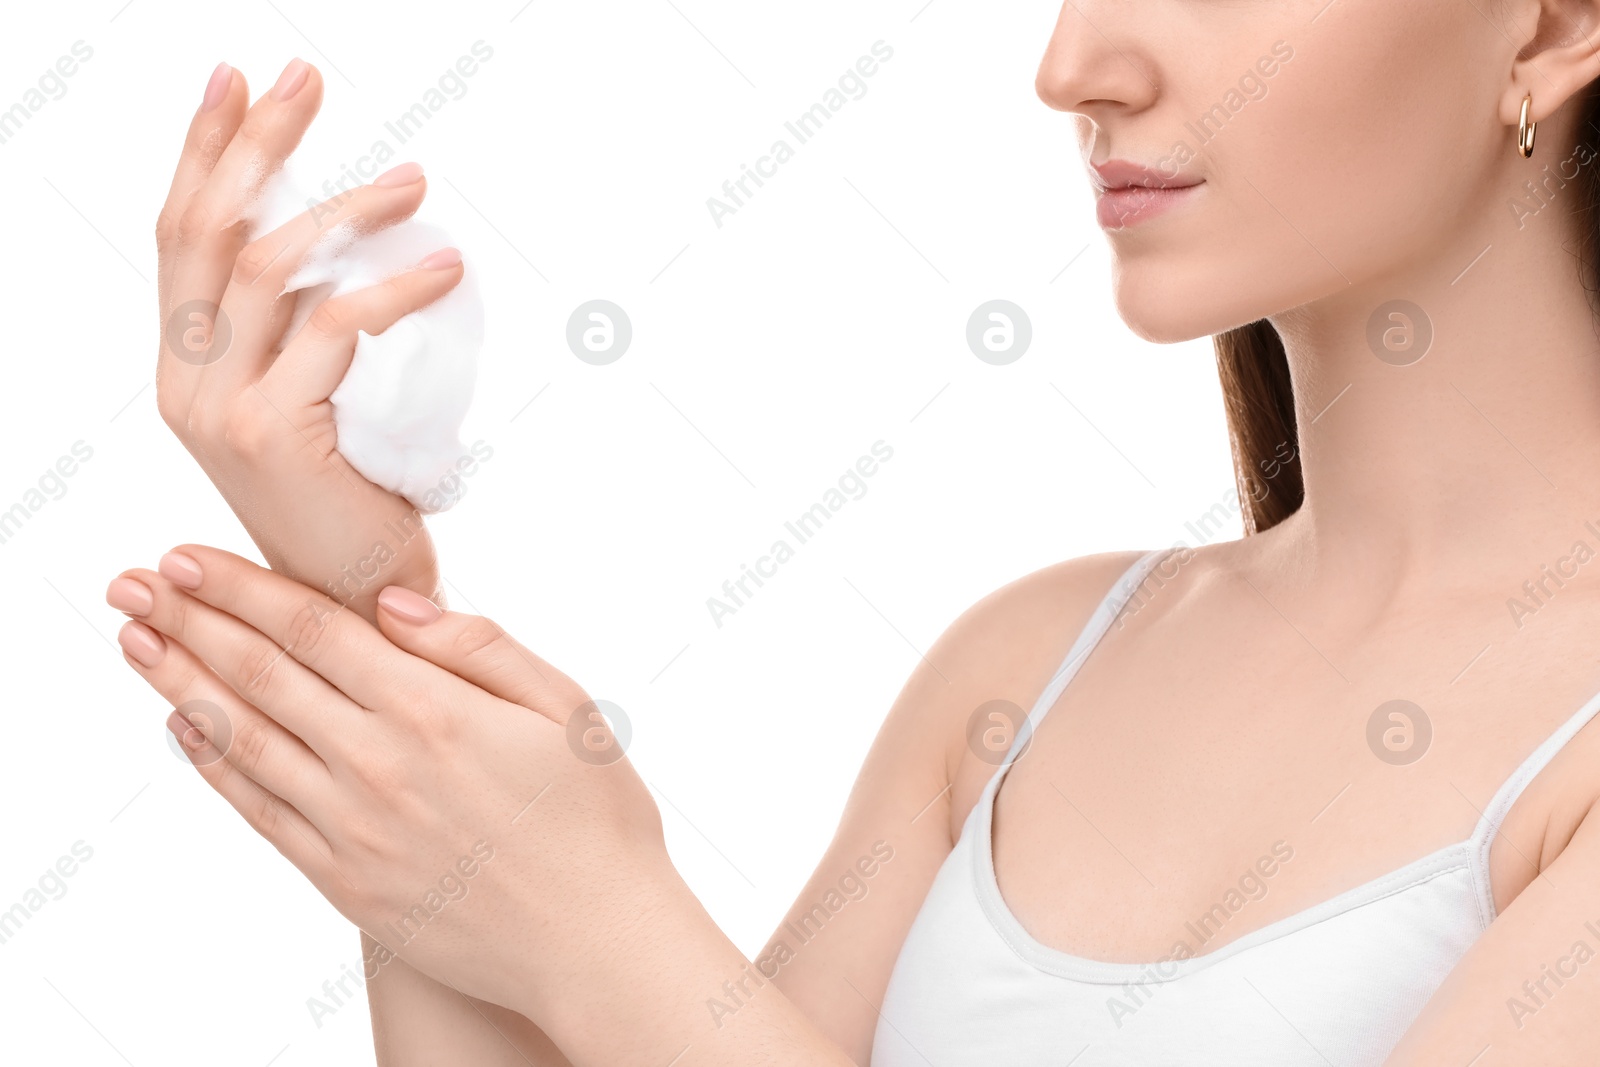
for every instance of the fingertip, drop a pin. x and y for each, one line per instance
(299, 84)
(443, 259)
(399, 176)
(181, 569)
(142, 644)
(130, 595)
(407, 606)
(292, 80)
(217, 87)
(189, 736)
(219, 116)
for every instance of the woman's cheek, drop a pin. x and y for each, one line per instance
(1285, 219)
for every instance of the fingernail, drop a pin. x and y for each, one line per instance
(185, 731)
(408, 606)
(179, 569)
(292, 78)
(445, 257)
(130, 595)
(142, 643)
(217, 87)
(404, 174)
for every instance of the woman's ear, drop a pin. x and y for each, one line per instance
(1558, 54)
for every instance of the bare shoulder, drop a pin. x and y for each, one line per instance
(1564, 795)
(1002, 648)
(917, 784)
(1005, 647)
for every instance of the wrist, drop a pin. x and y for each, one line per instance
(357, 581)
(655, 980)
(626, 986)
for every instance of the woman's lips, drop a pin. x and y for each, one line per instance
(1119, 208)
(1131, 192)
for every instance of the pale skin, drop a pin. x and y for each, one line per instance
(1220, 718)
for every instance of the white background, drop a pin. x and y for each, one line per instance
(768, 355)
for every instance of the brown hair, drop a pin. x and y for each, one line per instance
(1259, 401)
(1254, 369)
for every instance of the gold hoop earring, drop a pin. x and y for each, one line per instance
(1527, 130)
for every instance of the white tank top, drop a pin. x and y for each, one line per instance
(1337, 983)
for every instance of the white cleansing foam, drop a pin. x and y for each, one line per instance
(399, 409)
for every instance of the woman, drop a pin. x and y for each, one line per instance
(1320, 795)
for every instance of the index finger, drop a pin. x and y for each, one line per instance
(215, 121)
(314, 629)
(204, 236)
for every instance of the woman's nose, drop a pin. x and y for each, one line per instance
(1095, 64)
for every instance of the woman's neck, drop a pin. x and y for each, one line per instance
(1484, 452)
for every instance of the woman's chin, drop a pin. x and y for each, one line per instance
(1161, 320)
(1173, 306)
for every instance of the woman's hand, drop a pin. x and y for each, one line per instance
(253, 408)
(257, 419)
(458, 798)
(444, 819)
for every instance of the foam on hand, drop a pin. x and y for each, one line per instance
(399, 409)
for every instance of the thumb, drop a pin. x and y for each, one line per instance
(475, 649)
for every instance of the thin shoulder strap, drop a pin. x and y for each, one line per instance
(1488, 827)
(1109, 608)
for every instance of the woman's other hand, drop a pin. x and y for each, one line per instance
(251, 405)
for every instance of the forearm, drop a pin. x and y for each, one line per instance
(417, 1021)
(330, 530)
(665, 985)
